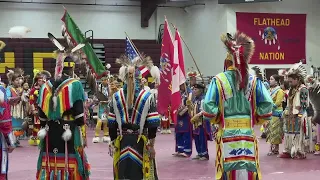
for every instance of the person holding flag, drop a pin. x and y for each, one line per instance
(61, 108)
(237, 101)
(181, 102)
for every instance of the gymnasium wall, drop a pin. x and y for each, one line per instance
(107, 22)
(203, 26)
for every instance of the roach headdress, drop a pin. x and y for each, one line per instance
(240, 48)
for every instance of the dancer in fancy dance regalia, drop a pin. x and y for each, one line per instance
(133, 121)
(40, 77)
(61, 114)
(237, 101)
(202, 131)
(183, 126)
(7, 139)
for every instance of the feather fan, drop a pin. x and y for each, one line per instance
(314, 95)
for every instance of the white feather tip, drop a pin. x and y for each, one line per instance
(281, 72)
(42, 133)
(122, 73)
(155, 73)
(67, 134)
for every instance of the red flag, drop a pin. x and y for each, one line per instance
(164, 89)
(178, 75)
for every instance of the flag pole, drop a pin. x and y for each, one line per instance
(134, 46)
(194, 61)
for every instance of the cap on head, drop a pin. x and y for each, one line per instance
(199, 86)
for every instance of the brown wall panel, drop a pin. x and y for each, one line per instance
(30, 53)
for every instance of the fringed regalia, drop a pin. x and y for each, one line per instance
(314, 95)
(103, 97)
(202, 130)
(275, 126)
(133, 120)
(183, 126)
(296, 125)
(61, 113)
(59, 158)
(7, 139)
(39, 77)
(14, 95)
(237, 102)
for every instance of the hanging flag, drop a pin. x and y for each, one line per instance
(178, 75)
(77, 37)
(164, 89)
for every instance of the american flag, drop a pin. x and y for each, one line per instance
(133, 55)
(131, 52)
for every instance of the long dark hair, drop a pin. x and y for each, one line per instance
(277, 78)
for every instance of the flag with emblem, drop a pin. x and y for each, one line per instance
(178, 75)
(164, 88)
(77, 37)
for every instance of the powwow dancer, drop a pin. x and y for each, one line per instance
(40, 77)
(183, 126)
(275, 126)
(7, 139)
(133, 121)
(202, 130)
(103, 95)
(14, 94)
(314, 95)
(237, 102)
(296, 131)
(61, 109)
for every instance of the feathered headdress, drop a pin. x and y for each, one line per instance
(40, 74)
(128, 66)
(282, 72)
(256, 71)
(129, 72)
(62, 53)
(193, 73)
(299, 70)
(241, 47)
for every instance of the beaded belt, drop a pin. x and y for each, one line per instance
(237, 123)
